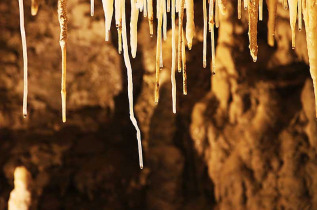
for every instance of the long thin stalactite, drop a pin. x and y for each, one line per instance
(25, 60)
(130, 84)
(62, 17)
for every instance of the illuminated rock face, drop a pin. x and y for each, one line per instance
(250, 143)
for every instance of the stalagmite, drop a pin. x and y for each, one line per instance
(173, 79)
(300, 20)
(272, 5)
(253, 9)
(92, 7)
(184, 65)
(108, 10)
(190, 25)
(205, 34)
(180, 29)
(292, 18)
(34, 7)
(134, 28)
(130, 83)
(158, 51)
(20, 197)
(310, 18)
(25, 60)
(62, 17)
(150, 15)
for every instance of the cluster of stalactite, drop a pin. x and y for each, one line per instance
(181, 37)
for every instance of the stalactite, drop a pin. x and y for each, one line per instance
(300, 21)
(310, 18)
(157, 9)
(134, 28)
(293, 17)
(253, 9)
(62, 17)
(130, 83)
(150, 15)
(211, 14)
(161, 54)
(190, 25)
(144, 8)
(139, 5)
(245, 4)
(205, 34)
(118, 16)
(184, 65)
(173, 79)
(272, 5)
(217, 13)
(92, 7)
(260, 10)
(285, 4)
(108, 10)
(164, 21)
(158, 51)
(177, 5)
(213, 54)
(222, 4)
(34, 7)
(25, 60)
(239, 9)
(180, 28)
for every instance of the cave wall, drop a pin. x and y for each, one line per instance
(244, 139)
(256, 130)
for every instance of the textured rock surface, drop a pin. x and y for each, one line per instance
(256, 131)
(250, 143)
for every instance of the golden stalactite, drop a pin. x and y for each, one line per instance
(62, 17)
(253, 9)
(271, 23)
(34, 7)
